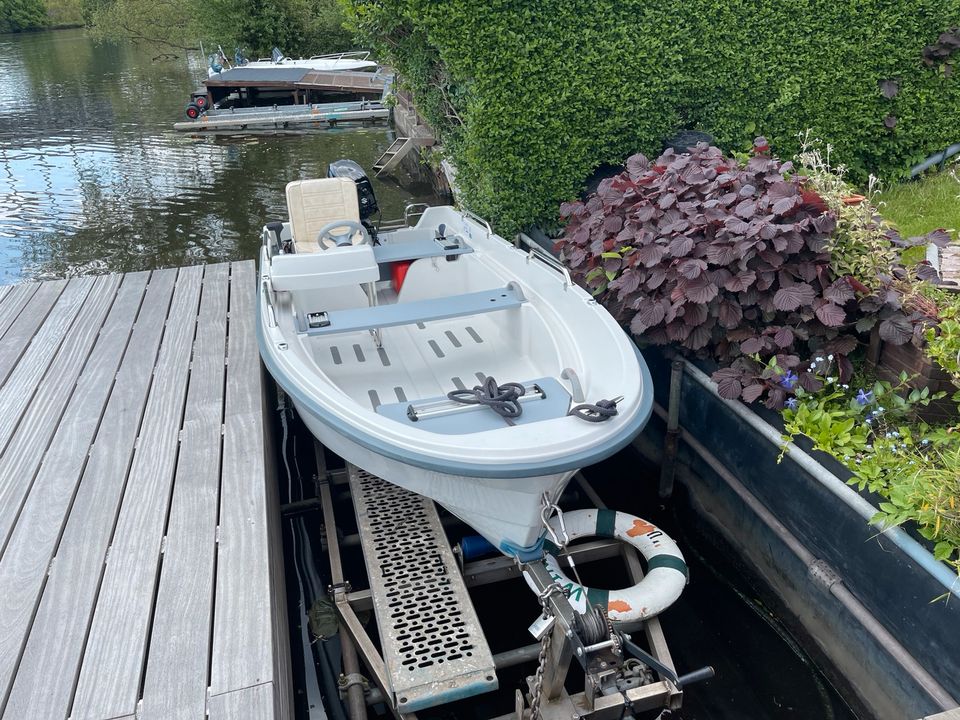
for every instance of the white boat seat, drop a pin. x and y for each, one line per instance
(408, 313)
(424, 248)
(312, 204)
(335, 267)
(545, 399)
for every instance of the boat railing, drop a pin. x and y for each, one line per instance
(352, 54)
(476, 218)
(537, 251)
(411, 216)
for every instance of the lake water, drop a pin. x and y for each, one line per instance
(93, 178)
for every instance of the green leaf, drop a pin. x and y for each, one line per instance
(943, 550)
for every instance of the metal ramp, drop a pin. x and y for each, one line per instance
(392, 156)
(434, 649)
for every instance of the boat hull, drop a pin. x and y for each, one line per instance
(506, 511)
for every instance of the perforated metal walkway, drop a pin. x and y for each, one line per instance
(433, 647)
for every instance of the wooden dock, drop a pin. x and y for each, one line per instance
(141, 569)
(301, 117)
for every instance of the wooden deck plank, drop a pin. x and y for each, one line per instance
(177, 670)
(176, 678)
(251, 703)
(40, 412)
(45, 679)
(24, 565)
(110, 671)
(17, 393)
(243, 644)
(22, 329)
(13, 302)
(116, 599)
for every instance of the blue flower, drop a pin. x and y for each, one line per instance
(864, 398)
(789, 380)
(792, 403)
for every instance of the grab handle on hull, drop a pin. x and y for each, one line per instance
(477, 218)
(537, 251)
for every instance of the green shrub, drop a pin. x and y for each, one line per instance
(548, 91)
(17, 15)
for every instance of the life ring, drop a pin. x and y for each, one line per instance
(663, 583)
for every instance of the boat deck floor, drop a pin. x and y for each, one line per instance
(420, 361)
(140, 569)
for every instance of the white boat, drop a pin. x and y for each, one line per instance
(369, 368)
(358, 60)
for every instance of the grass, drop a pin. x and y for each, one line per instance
(918, 207)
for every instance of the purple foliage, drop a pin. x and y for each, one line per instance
(724, 260)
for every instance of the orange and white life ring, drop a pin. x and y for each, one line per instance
(663, 583)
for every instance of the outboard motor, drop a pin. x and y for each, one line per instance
(352, 171)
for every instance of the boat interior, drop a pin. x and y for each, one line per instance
(398, 324)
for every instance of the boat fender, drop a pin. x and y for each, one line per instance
(666, 576)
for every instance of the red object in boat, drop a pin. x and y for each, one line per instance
(398, 271)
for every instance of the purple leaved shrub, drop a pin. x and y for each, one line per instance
(725, 260)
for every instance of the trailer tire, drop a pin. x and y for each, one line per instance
(193, 111)
(200, 101)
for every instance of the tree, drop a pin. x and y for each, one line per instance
(298, 27)
(18, 15)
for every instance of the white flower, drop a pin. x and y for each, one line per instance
(829, 357)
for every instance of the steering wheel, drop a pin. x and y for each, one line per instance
(330, 239)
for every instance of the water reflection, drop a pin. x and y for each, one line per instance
(93, 178)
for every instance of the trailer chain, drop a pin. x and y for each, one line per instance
(536, 694)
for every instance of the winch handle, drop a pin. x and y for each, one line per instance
(704, 673)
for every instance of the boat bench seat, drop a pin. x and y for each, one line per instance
(408, 313)
(418, 249)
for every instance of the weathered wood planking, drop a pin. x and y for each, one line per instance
(43, 686)
(109, 677)
(13, 302)
(252, 703)
(175, 685)
(24, 564)
(17, 391)
(22, 329)
(39, 414)
(111, 487)
(246, 651)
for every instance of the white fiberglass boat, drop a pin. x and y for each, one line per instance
(358, 60)
(398, 378)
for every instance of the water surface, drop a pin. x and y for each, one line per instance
(93, 178)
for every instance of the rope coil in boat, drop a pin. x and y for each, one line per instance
(596, 412)
(505, 401)
(502, 399)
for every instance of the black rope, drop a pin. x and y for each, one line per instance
(595, 412)
(502, 399)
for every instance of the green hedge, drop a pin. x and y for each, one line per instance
(548, 90)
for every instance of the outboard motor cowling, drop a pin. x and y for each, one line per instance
(352, 171)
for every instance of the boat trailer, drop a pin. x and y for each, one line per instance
(433, 650)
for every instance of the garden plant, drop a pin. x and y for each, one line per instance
(780, 273)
